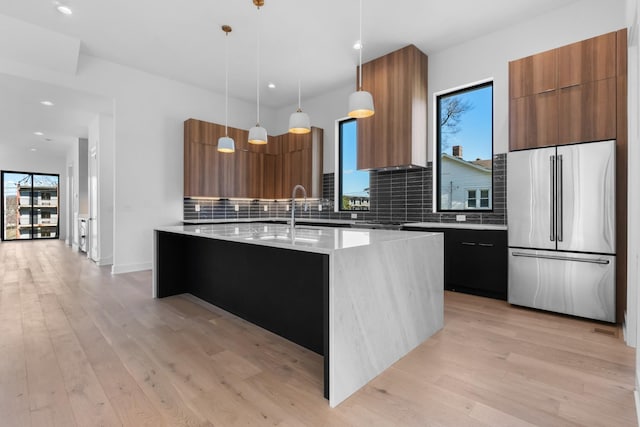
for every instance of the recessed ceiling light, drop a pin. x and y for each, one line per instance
(357, 45)
(38, 133)
(33, 149)
(271, 85)
(47, 103)
(64, 9)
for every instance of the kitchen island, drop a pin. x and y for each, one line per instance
(362, 298)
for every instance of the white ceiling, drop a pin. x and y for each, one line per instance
(299, 38)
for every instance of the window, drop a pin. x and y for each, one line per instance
(464, 134)
(478, 199)
(352, 184)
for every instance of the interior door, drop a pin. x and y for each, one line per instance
(93, 251)
(530, 206)
(587, 197)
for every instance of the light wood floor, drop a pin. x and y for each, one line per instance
(79, 346)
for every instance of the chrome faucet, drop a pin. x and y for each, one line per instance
(293, 203)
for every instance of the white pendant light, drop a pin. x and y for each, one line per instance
(258, 134)
(360, 101)
(299, 122)
(226, 144)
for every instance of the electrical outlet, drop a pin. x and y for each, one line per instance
(236, 207)
(354, 216)
(461, 218)
(265, 208)
(197, 208)
(320, 207)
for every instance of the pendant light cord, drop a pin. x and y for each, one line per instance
(360, 50)
(258, 72)
(226, 83)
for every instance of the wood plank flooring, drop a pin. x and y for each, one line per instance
(79, 346)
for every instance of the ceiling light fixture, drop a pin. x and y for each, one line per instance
(64, 9)
(258, 134)
(47, 103)
(38, 133)
(225, 143)
(299, 122)
(360, 101)
(271, 85)
(357, 45)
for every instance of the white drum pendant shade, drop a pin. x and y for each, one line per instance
(299, 123)
(257, 135)
(226, 145)
(361, 104)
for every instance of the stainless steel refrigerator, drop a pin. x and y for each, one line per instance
(561, 216)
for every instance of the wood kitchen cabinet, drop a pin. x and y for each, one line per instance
(396, 135)
(254, 171)
(587, 61)
(534, 121)
(533, 75)
(587, 112)
(565, 95)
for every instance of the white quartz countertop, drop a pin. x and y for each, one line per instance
(461, 225)
(304, 238)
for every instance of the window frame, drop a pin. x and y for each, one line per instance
(437, 144)
(338, 189)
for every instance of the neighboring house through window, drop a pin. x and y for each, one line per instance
(352, 184)
(464, 134)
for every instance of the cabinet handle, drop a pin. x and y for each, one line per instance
(570, 86)
(486, 245)
(548, 90)
(468, 243)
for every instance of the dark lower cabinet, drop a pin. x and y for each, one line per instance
(475, 261)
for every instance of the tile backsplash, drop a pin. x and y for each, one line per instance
(404, 195)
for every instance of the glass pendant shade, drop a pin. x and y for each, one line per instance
(299, 123)
(361, 104)
(226, 144)
(257, 135)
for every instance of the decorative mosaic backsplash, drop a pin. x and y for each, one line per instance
(404, 195)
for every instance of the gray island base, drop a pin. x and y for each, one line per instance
(362, 298)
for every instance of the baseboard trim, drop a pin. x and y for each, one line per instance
(130, 268)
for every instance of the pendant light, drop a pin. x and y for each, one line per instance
(299, 122)
(226, 143)
(360, 101)
(258, 134)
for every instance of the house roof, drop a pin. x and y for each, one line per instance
(476, 164)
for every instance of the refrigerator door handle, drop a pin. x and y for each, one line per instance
(562, 258)
(559, 217)
(552, 197)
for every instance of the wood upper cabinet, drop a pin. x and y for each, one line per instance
(587, 112)
(396, 135)
(533, 74)
(587, 61)
(267, 172)
(533, 121)
(565, 95)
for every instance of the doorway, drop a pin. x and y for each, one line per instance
(29, 205)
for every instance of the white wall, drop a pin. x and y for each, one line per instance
(43, 161)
